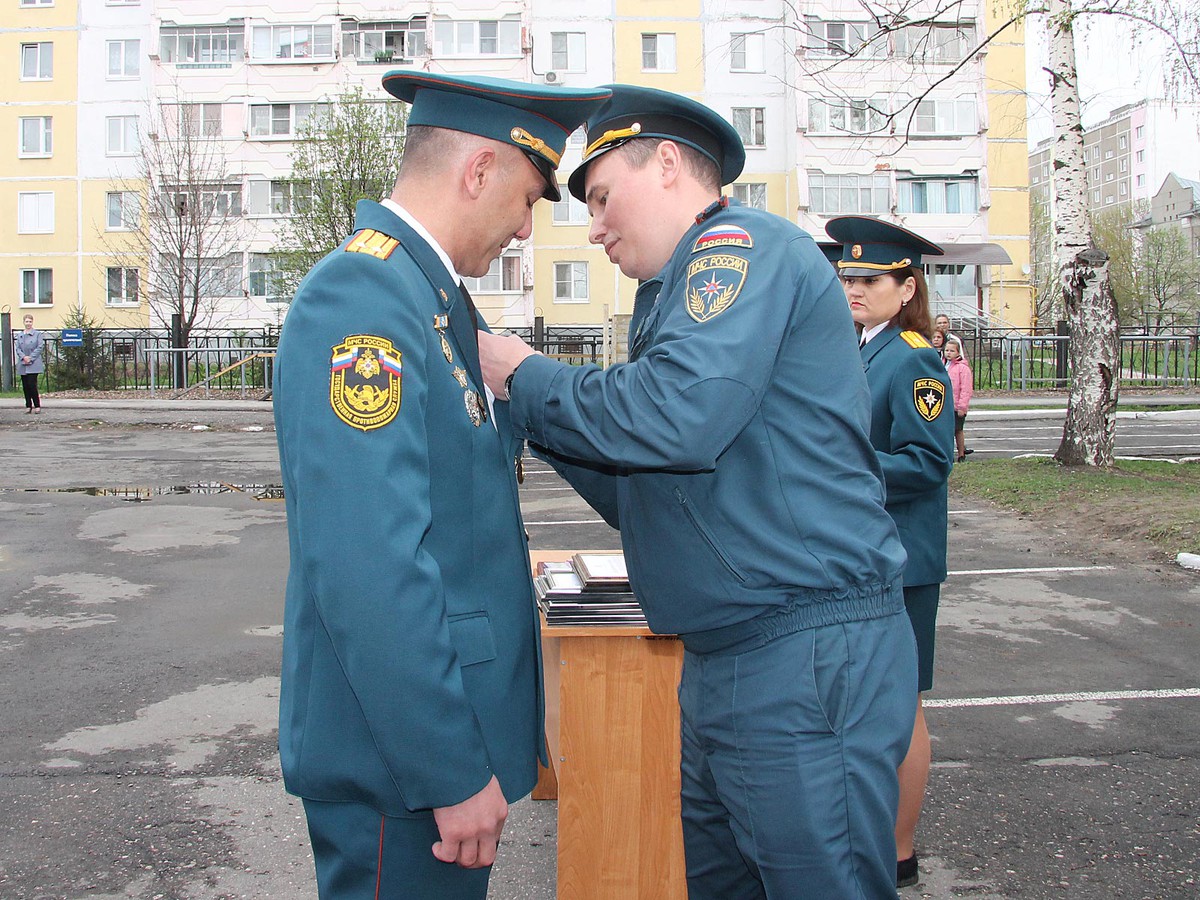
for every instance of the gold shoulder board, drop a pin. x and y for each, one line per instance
(915, 339)
(374, 243)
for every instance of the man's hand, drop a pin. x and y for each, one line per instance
(471, 830)
(499, 358)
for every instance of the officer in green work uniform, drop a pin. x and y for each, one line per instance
(410, 706)
(912, 430)
(732, 452)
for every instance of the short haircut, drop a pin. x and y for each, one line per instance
(638, 151)
(914, 315)
(427, 149)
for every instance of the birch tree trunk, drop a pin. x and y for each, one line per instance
(1087, 296)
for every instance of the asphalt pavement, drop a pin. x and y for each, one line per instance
(143, 553)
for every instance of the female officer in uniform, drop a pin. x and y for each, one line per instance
(912, 430)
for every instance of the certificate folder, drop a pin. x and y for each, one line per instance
(592, 589)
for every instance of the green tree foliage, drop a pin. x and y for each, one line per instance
(349, 151)
(1169, 275)
(1112, 232)
(88, 367)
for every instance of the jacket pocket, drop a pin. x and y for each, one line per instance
(693, 516)
(471, 634)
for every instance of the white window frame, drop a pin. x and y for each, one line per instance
(858, 117)
(125, 128)
(35, 212)
(260, 268)
(659, 51)
(265, 119)
(568, 210)
(747, 52)
(936, 195)
(477, 37)
(752, 194)
(502, 277)
(753, 131)
(128, 208)
(41, 53)
(568, 51)
(207, 46)
(42, 147)
(941, 44)
(221, 200)
(275, 197)
(279, 43)
(36, 277)
(127, 276)
(368, 41)
(32, 3)
(127, 55)
(946, 116)
(1141, 180)
(571, 275)
(875, 187)
(200, 119)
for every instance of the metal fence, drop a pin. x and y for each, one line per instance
(1002, 358)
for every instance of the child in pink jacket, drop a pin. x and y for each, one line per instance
(962, 383)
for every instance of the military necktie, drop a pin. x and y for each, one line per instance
(466, 295)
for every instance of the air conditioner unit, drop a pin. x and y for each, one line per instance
(553, 77)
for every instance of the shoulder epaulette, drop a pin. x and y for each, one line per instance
(915, 339)
(374, 243)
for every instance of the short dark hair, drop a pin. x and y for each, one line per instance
(425, 146)
(914, 315)
(639, 150)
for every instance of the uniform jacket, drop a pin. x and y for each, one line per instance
(30, 344)
(912, 429)
(732, 449)
(962, 382)
(411, 668)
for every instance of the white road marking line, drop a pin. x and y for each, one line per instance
(1029, 570)
(1023, 699)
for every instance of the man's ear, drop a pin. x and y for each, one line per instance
(670, 162)
(479, 167)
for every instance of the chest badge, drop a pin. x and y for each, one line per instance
(713, 283)
(364, 381)
(929, 396)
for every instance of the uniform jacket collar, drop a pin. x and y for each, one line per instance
(877, 343)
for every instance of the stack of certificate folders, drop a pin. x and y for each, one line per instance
(589, 589)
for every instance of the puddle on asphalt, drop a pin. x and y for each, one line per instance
(137, 494)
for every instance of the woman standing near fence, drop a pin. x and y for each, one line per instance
(912, 431)
(29, 364)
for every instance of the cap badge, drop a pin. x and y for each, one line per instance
(856, 251)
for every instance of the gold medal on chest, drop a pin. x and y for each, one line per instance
(471, 401)
(460, 375)
(446, 351)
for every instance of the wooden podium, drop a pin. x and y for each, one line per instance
(612, 729)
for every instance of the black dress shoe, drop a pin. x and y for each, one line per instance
(906, 872)
(968, 452)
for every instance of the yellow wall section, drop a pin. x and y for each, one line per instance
(688, 77)
(778, 201)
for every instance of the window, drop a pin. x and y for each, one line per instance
(487, 37)
(384, 41)
(122, 286)
(945, 116)
(746, 53)
(753, 195)
(1109, 177)
(282, 119)
(216, 201)
(291, 42)
(830, 194)
(658, 52)
(123, 58)
(942, 43)
(37, 287)
(748, 122)
(844, 39)
(1141, 156)
(121, 136)
(1124, 165)
(1140, 132)
(200, 119)
(123, 209)
(219, 276)
(1108, 154)
(951, 281)
(37, 61)
(503, 277)
(264, 277)
(37, 137)
(937, 195)
(570, 282)
(569, 211)
(1141, 181)
(1124, 188)
(1123, 143)
(1109, 198)
(37, 2)
(201, 45)
(568, 51)
(35, 212)
(846, 117)
(1095, 196)
(278, 198)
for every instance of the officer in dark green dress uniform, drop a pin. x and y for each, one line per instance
(732, 452)
(912, 430)
(410, 708)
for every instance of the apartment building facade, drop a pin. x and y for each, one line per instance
(245, 77)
